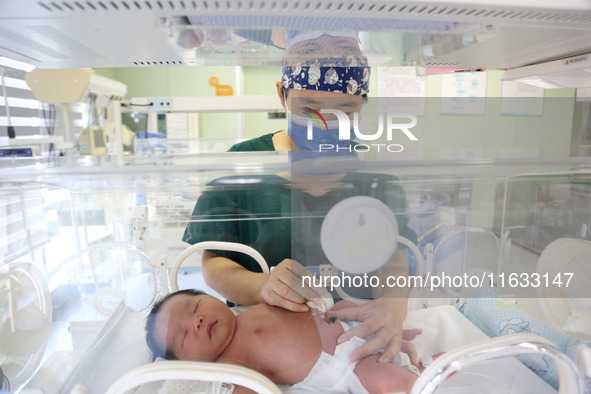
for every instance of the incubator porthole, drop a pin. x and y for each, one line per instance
(26, 321)
(359, 234)
(106, 299)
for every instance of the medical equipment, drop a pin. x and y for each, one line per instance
(448, 364)
(92, 141)
(25, 322)
(124, 266)
(67, 86)
(72, 85)
(562, 73)
(493, 235)
(437, 33)
(361, 219)
(195, 371)
(94, 205)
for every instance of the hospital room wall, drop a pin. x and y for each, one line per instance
(188, 81)
(492, 135)
(488, 135)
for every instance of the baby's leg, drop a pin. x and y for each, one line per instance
(383, 377)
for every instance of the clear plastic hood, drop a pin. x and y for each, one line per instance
(101, 235)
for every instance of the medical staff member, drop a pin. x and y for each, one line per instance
(321, 71)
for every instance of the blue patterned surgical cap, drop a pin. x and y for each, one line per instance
(348, 74)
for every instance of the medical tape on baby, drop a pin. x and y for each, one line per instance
(403, 361)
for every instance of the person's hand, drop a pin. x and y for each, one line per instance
(383, 318)
(284, 287)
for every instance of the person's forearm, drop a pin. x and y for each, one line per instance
(231, 280)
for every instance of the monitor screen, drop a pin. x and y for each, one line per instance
(98, 137)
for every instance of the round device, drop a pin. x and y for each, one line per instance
(359, 234)
(26, 324)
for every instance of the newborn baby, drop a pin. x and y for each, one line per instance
(292, 348)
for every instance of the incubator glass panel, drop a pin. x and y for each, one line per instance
(379, 207)
(201, 40)
(101, 241)
(455, 207)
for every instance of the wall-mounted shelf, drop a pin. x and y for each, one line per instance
(205, 104)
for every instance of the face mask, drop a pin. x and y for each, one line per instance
(297, 129)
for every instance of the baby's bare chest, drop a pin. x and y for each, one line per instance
(282, 345)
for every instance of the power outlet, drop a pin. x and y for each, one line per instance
(160, 103)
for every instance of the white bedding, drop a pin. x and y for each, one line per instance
(444, 329)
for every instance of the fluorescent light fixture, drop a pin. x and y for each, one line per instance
(572, 72)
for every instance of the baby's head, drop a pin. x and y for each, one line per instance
(189, 325)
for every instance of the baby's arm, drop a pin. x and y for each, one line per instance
(242, 390)
(342, 305)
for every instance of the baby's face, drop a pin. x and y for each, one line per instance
(194, 327)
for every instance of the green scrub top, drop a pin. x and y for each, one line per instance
(263, 143)
(256, 215)
(279, 220)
